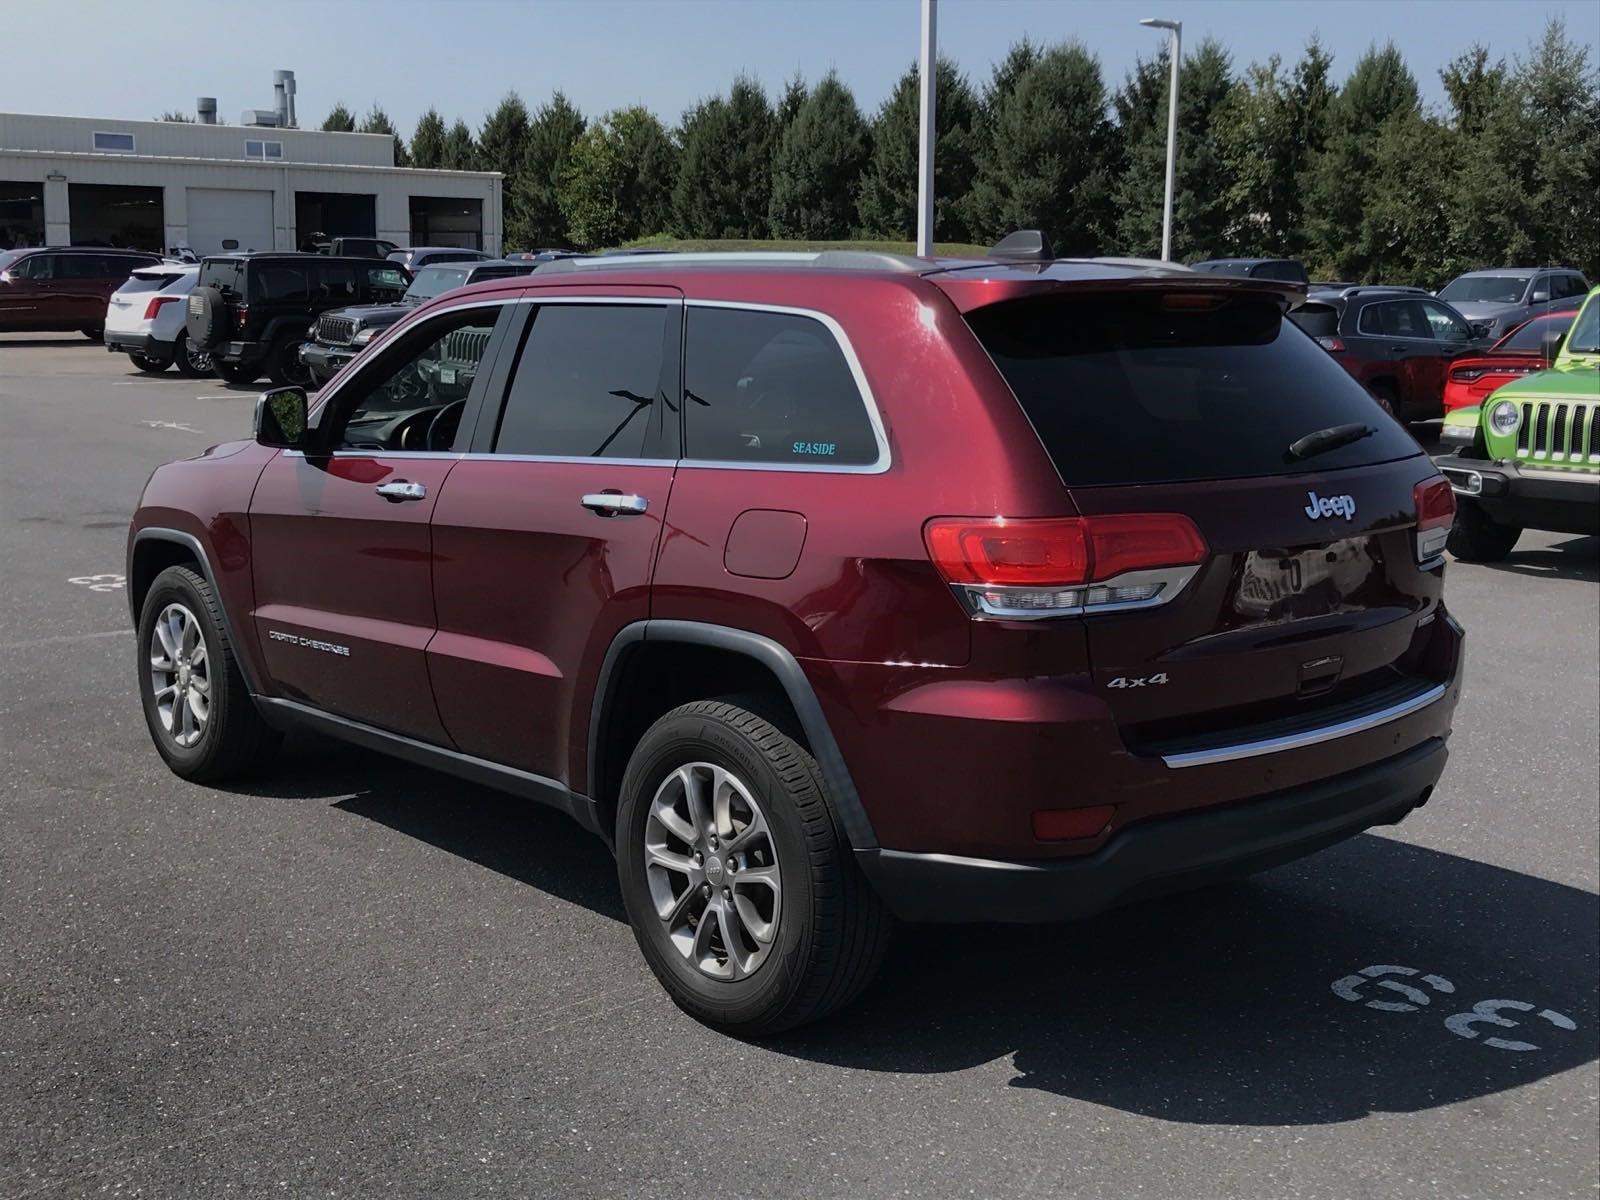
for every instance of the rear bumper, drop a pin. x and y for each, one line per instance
(1527, 498)
(138, 343)
(1157, 856)
(240, 352)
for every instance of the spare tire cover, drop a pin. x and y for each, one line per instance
(204, 319)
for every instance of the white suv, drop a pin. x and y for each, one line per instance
(145, 320)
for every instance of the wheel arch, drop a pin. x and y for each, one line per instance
(154, 549)
(744, 659)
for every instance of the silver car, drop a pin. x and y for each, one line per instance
(1500, 298)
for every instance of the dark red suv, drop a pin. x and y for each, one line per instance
(829, 589)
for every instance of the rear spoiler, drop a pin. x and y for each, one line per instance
(969, 289)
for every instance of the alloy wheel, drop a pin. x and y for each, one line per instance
(180, 675)
(712, 870)
(199, 360)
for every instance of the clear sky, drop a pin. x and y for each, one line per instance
(135, 58)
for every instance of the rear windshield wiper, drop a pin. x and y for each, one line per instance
(1330, 438)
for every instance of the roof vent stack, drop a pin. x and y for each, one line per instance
(205, 110)
(283, 91)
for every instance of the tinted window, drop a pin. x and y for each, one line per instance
(594, 381)
(152, 281)
(1396, 318)
(1568, 285)
(435, 281)
(1446, 325)
(37, 267)
(334, 284)
(1319, 320)
(1124, 389)
(1532, 336)
(1585, 335)
(8, 257)
(224, 274)
(1289, 272)
(1497, 289)
(770, 387)
(279, 283)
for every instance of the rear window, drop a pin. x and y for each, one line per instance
(1123, 389)
(435, 281)
(151, 281)
(1531, 337)
(224, 274)
(1318, 320)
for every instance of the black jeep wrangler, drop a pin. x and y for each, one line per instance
(252, 311)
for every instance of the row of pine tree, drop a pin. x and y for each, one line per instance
(1359, 179)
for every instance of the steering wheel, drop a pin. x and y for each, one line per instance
(440, 435)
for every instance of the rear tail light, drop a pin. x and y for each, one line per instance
(241, 314)
(1061, 566)
(1332, 345)
(1436, 511)
(151, 309)
(1465, 374)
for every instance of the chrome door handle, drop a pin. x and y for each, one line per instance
(614, 504)
(401, 490)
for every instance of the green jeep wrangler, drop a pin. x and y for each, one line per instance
(1529, 456)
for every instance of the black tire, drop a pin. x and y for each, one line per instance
(150, 366)
(233, 739)
(236, 372)
(1388, 399)
(205, 318)
(832, 929)
(284, 367)
(192, 361)
(1477, 537)
(95, 333)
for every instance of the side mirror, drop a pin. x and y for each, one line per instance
(1552, 345)
(281, 418)
(1539, 297)
(1480, 329)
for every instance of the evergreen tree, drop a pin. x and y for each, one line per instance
(534, 218)
(1489, 188)
(1344, 178)
(617, 182)
(503, 140)
(1048, 160)
(725, 175)
(1200, 211)
(180, 118)
(788, 106)
(340, 120)
(377, 121)
(887, 201)
(1561, 95)
(818, 163)
(460, 151)
(427, 143)
(1268, 132)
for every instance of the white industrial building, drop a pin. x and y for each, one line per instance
(263, 184)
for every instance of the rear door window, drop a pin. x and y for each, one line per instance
(1397, 319)
(1135, 389)
(226, 275)
(595, 381)
(771, 387)
(280, 283)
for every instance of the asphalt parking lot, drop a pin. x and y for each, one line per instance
(356, 978)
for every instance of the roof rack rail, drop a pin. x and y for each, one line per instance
(853, 260)
(1383, 287)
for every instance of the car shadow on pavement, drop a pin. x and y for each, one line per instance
(1220, 1007)
(1578, 558)
(518, 838)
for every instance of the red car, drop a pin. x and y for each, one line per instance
(60, 288)
(1528, 348)
(826, 588)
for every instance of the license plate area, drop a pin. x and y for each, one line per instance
(1287, 584)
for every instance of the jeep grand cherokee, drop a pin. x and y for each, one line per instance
(831, 588)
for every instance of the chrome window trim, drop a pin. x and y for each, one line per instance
(1309, 737)
(864, 391)
(1173, 580)
(869, 400)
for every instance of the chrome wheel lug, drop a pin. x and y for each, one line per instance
(705, 890)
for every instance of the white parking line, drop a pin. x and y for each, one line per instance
(65, 637)
(223, 396)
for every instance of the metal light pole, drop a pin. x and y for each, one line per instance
(1176, 28)
(927, 72)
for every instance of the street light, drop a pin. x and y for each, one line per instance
(1176, 29)
(928, 68)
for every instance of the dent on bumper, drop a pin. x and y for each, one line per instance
(1159, 855)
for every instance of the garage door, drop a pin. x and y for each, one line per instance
(221, 215)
